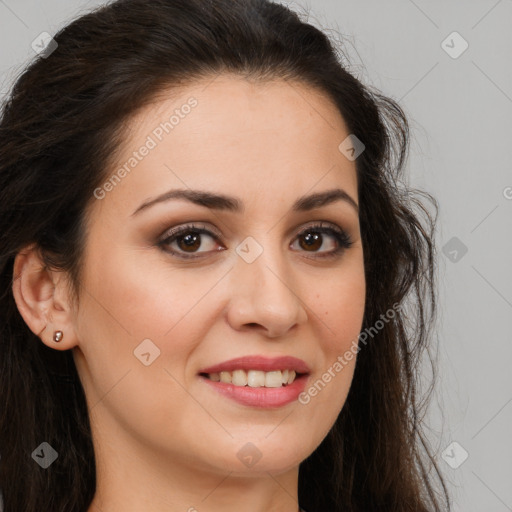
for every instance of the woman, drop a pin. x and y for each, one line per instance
(203, 230)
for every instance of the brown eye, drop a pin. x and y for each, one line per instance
(186, 240)
(189, 241)
(312, 240)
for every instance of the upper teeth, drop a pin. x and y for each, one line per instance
(255, 378)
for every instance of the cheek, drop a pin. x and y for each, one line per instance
(140, 301)
(127, 303)
(341, 309)
(123, 305)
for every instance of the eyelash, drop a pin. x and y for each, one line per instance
(342, 238)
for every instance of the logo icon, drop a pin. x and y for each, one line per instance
(45, 455)
(454, 250)
(249, 455)
(146, 352)
(249, 249)
(454, 455)
(351, 147)
(454, 45)
(44, 45)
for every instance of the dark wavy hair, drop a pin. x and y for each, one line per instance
(59, 128)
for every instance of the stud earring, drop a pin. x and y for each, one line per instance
(57, 336)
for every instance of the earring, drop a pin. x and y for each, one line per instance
(57, 336)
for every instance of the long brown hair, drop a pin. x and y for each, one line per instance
(58, 129)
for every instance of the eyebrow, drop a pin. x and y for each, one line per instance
(232, 204)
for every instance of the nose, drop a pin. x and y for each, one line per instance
(263, 295)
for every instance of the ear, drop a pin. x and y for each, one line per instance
(43, 299)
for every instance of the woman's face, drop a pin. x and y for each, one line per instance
(251, 275)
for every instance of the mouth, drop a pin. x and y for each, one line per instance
(255, 378)
(256, 388)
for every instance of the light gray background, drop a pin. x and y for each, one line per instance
(461, 115)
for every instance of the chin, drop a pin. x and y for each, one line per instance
(266, 456)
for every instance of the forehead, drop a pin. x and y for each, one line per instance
(235, 105)
(229, 133)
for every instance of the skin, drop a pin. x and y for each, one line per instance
(164, 441)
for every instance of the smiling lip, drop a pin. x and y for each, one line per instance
(262, 396)
(264, 364)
